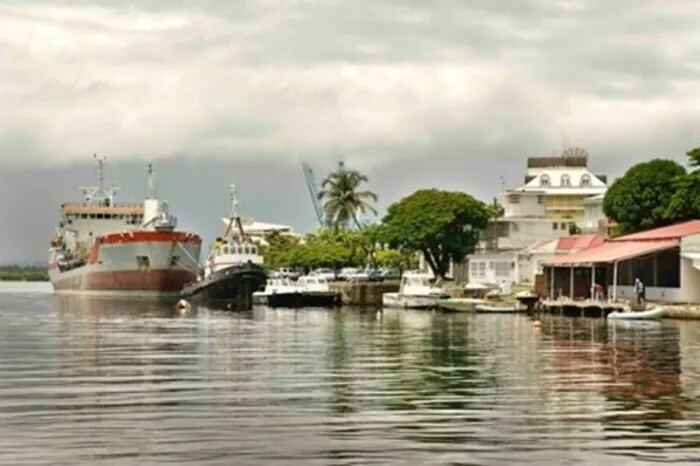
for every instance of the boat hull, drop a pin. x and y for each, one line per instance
(495, 309)
(460, 304)
(299, 299)
(405, 301)
(230, 288)
(652, 314)
(115, 266)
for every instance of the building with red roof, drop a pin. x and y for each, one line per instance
(666, 260)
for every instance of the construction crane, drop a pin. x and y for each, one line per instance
(313, 186)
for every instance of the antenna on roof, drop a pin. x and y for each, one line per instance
(151, 182)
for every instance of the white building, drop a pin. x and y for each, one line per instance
(522, 266)
(552, 200)
(257, 231)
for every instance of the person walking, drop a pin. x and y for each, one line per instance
(639, 289)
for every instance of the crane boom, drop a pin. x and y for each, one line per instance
(313, 192)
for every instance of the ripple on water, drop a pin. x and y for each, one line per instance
(98, 382)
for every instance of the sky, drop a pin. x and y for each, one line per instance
(449, 94)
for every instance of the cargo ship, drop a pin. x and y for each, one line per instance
(105, 248)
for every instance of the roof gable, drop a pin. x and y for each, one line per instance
(556, 178)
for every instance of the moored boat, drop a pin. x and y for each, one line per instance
(308, 291)
(475, 295)
(498, 308)
(233, 271)
(650, 314)
(415, 292)
(111, 249)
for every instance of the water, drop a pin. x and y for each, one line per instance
(99, 382)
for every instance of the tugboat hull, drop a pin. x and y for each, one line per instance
(301, 299)
(232, 287)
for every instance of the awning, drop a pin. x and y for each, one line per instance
(612, 251)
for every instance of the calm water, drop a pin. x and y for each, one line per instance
(95, 382)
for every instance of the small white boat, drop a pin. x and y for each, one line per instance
(651, 314)
(275, 286)
(415, 292)
(496, 308)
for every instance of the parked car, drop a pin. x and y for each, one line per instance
(327, 274)
(353, 274)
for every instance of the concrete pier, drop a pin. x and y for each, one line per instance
(584, 308)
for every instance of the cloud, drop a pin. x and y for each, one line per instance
(380, 80)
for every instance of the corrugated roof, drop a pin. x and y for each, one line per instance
(612, 251)
(578, 242)
(676, 231)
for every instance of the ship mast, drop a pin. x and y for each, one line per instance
(233, 215)
(151, 183)
(99, 195)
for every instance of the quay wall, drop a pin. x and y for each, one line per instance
(363, 294)
(682, 312)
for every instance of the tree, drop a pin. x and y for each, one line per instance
(694, 158)
(443, 225)
(685, 202)
(342, 199)
(574, 229)
(640, 200)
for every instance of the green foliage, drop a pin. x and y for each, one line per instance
(641, 199)
(327, 247)
(574, 229)
(23, 274)
(343, 200)
(694, 158)
(396, 260)
(443, 225)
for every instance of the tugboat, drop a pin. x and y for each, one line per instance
(233, 271)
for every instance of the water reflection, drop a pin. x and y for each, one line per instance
(85, 381)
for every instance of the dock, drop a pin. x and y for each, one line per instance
(583, 308)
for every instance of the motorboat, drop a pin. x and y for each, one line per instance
(415, 292)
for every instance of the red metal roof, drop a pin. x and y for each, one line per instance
(676, 231)
(612, 251)
(578, 242)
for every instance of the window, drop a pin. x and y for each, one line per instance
(477, 269)
(174, 261)
(555, 226)
(585, 180)
(544, 180)
(564, 226)
(565, 180)
(540, 199)
(514, 199)
(143, 262)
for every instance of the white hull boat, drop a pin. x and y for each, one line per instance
(652, 314)
(408, 301)
(496, 308)
(415, 292)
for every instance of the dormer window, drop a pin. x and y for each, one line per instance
(544, 180)
(585, 180)
(565, 180)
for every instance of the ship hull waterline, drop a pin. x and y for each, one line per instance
(141, 264)
(229, 288)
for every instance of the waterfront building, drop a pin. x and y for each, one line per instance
(666, 259)
(558, 194)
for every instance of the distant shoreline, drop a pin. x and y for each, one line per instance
(18, 273)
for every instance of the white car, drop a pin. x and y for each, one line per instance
(327, 274)
(353, 274)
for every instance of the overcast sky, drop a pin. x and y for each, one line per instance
(448, 93)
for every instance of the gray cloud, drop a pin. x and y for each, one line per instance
(446, 93)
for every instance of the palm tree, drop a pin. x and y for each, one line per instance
(341, 199)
